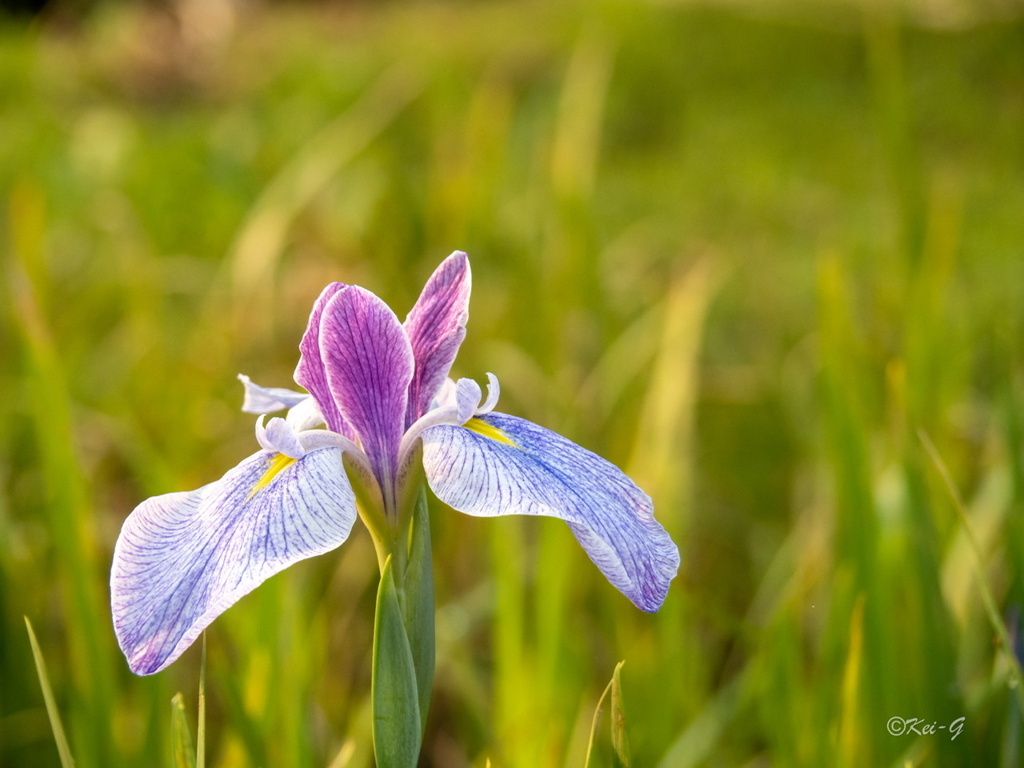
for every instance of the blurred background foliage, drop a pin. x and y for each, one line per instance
(763, 255)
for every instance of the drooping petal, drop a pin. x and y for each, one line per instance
(183, 558)
(268, 399)
(503, 465)
(369, 366)
(310, 372)
(436, 326)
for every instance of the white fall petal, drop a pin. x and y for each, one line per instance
(511, 466)
(184, 558)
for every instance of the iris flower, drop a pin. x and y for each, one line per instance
(379, 414)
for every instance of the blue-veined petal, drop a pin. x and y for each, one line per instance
(503, 465)
(183, 558)
(436, 326)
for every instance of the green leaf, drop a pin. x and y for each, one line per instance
(51, 705)
(418, 603)
(620, 745)
(988, 599)
(201, 726)
(619, 741)
(181, 736)
(396, 711)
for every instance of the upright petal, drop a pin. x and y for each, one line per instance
(182, 559)
(310, 372)
(503, 465)
(436, 326)
(369, 366)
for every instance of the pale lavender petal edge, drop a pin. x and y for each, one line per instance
(467, 398)
(310, 372)
(182, 559)
(436, 326)
(543, 473)
(268, 399)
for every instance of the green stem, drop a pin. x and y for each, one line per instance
(370, 506)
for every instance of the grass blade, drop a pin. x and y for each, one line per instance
(698, 742)
(618, 722)
(201, 726)
(619, 741)
(851, 727)
(181, 736)
(344, 756)
(63, 749)
(593, 725)
(989, 601)
(261, 240)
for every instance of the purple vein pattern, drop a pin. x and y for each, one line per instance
(184, 558)
(369, 366)
(436, 327)
(376, 388)
(546, 474)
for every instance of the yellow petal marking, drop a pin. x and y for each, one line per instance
(275, 466)
(481, 427)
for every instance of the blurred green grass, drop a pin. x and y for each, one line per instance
(749, 253)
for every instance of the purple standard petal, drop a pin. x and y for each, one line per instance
(436, 326)
(310, 373)
(503, 465)
(182, 559)
(369, 366)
